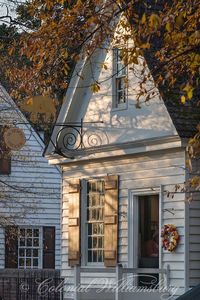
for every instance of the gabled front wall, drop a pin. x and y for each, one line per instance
(32, 190)
(123, 124)
(138, 172)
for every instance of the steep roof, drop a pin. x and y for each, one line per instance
(185, 117)
(9, 109)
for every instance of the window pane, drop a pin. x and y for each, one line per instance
(101, 229)
(28, 262)
(21, 262)
(22, 232)
(89, 243)
(89, 229)
(100, 242)
(101, 197)
(35, 252)
(36, 232)
(28, 252)
(100, 256)
(94, 256)
(121, 97)
(94, 242)
(29, 242)
(95, 229)
(36, 242)
(21, 252)
(29, 232)
(35, 262)
(93, 214)
(89, 256)
(22, 242)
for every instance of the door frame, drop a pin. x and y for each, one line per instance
(133, 221)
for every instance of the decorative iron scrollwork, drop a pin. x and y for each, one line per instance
(74, 137)
(70, 138)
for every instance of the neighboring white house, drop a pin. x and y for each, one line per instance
(119, 188)
(29, 200)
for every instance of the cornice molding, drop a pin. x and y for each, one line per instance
(108, 151)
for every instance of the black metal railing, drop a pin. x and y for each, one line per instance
(30, 285)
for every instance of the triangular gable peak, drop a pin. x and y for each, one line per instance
(11, 115)
(120, 121)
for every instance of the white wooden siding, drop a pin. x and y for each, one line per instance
(194, 234)
(153, 170)
(32, 182)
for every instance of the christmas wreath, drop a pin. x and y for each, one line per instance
(170, 237)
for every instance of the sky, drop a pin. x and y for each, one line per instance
(9, 5)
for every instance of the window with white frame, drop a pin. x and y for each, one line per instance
(119, 80)
(95, 221)
(29, 248)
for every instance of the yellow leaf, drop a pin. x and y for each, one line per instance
(169, 27)
(29, 101)
(40, 65)
(133, 60)
(183, 99)
(104, 66)
(143, 20)
(190, 94)
(180, 20)
(95, 87)
(145, 46)
(154, 21)
(189, 90)
(10, 51)
(126, 82)
(66, 71)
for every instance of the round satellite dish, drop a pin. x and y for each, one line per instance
(14, 138)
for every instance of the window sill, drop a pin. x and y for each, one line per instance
(119, 108)
(93, 265)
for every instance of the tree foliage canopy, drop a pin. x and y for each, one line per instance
(165, 32)
(56, 34)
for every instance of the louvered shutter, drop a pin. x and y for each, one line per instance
(11, 247)
(49, 247)
(74, 222)
(5, 166)
(111, 221)
(5, 159)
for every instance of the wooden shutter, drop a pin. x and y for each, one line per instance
(111, 221)
(74, 222)
(11, 247)
(5, 159)
(49, 247)
(5, 166)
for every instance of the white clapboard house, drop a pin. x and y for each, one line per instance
(29, 207)
(120, 168)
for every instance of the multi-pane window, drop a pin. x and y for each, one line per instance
(29, 248)
(120, 75)
(95, 221)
